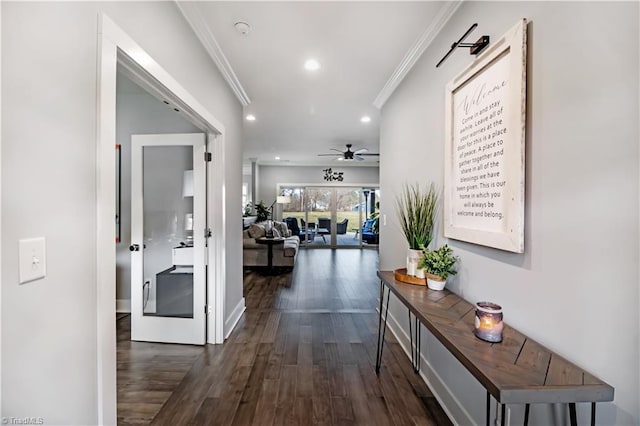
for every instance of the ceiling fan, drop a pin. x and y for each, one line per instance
(349, 155)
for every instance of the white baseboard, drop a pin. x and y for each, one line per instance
(123, 306)
(233, 318)
(448, 401)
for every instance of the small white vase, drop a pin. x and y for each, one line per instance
(413, 259)
(436, 284)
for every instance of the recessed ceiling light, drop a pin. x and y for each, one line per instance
(277, 158)
(242, 27)
(312, 65)
(251, 117)
(365, 119)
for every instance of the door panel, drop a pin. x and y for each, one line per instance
(168, 199)
(348, 217)
(319, 211)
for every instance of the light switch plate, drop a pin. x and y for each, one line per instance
(33, 260)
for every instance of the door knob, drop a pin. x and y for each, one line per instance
(134, 247)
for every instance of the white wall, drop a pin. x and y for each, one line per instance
(48, 188)
(136, 113)
(575, 289)
(271, 176)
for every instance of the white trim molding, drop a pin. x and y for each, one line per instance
(234, 318)
(193, 15)
(0, 207)
(411, 57)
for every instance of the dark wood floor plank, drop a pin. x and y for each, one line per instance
(342, 412)
(304, 410)
(303, 353)
(321, 410)
(253, 387)
(267, 404)
(287, 384)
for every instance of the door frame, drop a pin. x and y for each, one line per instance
(116, 48)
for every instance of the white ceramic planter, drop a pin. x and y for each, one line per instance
(413, 259)
(436, 284)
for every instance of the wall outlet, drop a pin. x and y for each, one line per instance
(32, 259)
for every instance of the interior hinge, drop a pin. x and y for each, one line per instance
(207, 233)
(207, 157)
(206, 309)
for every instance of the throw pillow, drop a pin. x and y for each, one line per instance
(257, 231)
(276, 233)
(282, 228)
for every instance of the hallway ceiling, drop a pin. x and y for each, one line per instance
(299, 113)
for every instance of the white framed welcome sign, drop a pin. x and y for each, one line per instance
(484, 147)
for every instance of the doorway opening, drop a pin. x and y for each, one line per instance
(116, 50)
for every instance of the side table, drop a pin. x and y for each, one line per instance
(270, 242)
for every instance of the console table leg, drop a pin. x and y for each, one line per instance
(488, 422)
(503, 420)
(413, 352)
(526, 414)
(593, 414)
(572, 414)
(415, 338)
(419, 339)
(381, 326)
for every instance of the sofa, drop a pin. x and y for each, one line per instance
(254, 255)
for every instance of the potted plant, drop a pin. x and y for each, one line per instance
(246, 211)
(417, 210)
(262, 212)
(438, 265)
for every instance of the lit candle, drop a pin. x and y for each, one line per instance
(488, 322)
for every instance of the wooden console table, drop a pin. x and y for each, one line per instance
(516, 371)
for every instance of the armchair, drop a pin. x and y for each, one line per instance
(341, 227)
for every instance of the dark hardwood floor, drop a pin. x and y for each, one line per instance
(303, 353)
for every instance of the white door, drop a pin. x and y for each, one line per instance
(168, 221)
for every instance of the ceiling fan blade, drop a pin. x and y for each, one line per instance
(371, 154)
(327, 155)
(357, 157)
(360, 151)
(337, 150)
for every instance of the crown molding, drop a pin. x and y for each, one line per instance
(193, 16)
(444, 14)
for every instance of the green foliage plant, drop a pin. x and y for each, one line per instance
(438, 262)
(376, 218)
(417, 209)
(262, 212)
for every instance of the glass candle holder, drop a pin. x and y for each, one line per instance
(488, 322)
(269, 228)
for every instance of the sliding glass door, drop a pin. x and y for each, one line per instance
(331, 217)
